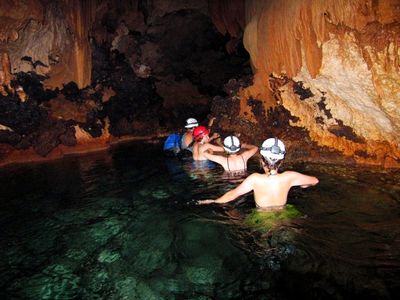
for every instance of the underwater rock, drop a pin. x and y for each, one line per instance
(203, 271)
(102, 232)
(99, 280)
(160, 194)
(76, 254)
(108, 256)
(56, 282)
(126, 289)
(149, 260)
(131, 288)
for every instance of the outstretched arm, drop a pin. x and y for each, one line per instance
(302, 180)
(243, 188)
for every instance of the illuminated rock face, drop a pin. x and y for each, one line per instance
(52, 42)
(341, 59)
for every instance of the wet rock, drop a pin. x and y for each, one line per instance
(33, 86)
(23, 118)
(50, 135)
(62, 108)
(71, 91)
(9, 137)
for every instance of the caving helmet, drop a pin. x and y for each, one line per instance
(273, 150)
(231, 144)
(199, 132)
(191, 123)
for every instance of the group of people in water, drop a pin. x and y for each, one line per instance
(270, 188)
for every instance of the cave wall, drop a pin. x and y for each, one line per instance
(325, 72)
(49, 38)
(337, 68)
(79, 73)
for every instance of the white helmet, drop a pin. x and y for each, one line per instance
(231, 144)
(191, 123)
(273, 150)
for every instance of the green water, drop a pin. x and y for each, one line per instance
(124, 225)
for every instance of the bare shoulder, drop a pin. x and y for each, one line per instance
(290, 173)
(254, 177)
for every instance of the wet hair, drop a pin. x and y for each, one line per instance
(265, 163)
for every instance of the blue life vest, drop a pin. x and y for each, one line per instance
(173, 143)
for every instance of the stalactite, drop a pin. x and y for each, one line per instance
(5, 74)
(80, 16)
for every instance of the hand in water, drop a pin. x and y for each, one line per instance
(208, 201)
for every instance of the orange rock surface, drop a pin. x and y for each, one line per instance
(346, 53)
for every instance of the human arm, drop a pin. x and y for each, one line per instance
(250, 150)
(214, 137)
(243, 188)
(211, 122)
(213, 148)
(302, 180)
(215, 158)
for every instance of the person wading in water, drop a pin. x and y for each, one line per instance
(270, 189)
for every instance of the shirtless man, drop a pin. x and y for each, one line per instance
(202, 143)
(233, 162)
(270, 189)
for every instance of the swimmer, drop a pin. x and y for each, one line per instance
(187, 140)
(233, 162)
(270, 189)
(187, 137)
(202, 143)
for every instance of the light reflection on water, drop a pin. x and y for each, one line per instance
(125, 225)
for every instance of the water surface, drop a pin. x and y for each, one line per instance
(124, 225)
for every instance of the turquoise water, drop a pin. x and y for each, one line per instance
(124, 225)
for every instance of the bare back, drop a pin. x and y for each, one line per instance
(199, 149)
(233, 162)
(272, 190)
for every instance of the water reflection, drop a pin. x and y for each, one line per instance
(124, 225)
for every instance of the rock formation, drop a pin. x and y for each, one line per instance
(325, 73)
(340, 65)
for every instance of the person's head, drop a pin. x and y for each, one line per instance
(231, 144)
(273, 152)
(200, 134)
(191, 124)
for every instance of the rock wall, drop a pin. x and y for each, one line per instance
(49, 38)
(82, 74)
(342, 61)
